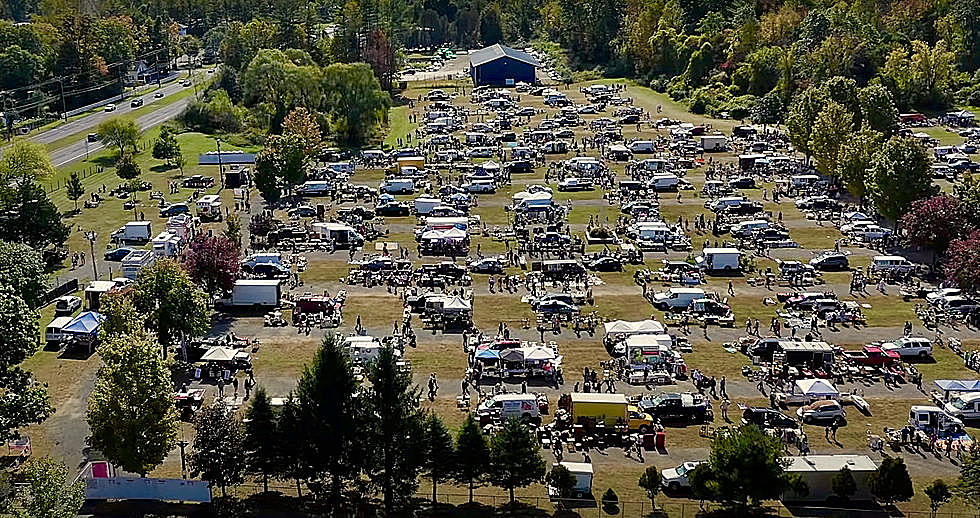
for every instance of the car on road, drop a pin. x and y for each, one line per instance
(117, 254)
(821, 411)
(673, 479)
(605, 264)
(174, 210)
(185, 82)
(92, 137)
(67, 305)
(136, 103)
(158, 95)
(110, 107)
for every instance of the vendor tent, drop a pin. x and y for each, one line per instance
(457, 304)
(538, 353)
(642, 327)
(84, 325)
(512, 355)
(488, 354)
(959, 385)
(219, 354)
(817, 388)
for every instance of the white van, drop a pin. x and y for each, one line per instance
(54, 333)
(512, 406)
(891, 263)
(803, 180)
(676, 298)
(964, 406)
(398, 186)
(642, 146)
(721, 204)
(663, 182)
(745, 229)
(719, 259)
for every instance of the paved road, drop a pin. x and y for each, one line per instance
(77, 150)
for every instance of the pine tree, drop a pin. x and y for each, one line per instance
(291, 447)
(440, 453)
(515, 460)
(261, 431)
(472, 455)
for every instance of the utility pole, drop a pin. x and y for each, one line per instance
(64, 111)
(92, 236)
(221, 169)
(183, 459)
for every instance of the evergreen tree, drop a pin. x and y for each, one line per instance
(562, 481)
(396, 431)
(843, 484)
(472, 455)
(74, 188)
(261, 438)
(440, 453)
(891, 483)
(291, 448)
(219, 454)
(515, 460)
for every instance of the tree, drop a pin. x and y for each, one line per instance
(562, 481)
(963, 261)
(515, 460)
(166, 147)
(213, 261)
(25, 400)
(833, 127)
(357, 104)
(935, 222)
(396, 431)
(768, 109)
(744, 468)
(121, 317)
(48, 493)
(180, 162)
(650, 482)
(899, 175)
(127, 168)
(131, 410)
(967, 485)
(280, 166)
(120, 133)
(472, 455)
(610, 501)
(261, 438)
(74, 188)
(173, 305)
(891, 483)
(22, 272)
(233, 230)
(878, 111)
(25, 161)
(219, 454)
(290, 451)
(333, 435)
(440, 453)
(300, 123)
(843, 484)
(938, 493)
(18, 68)
(30, 216)
(802, 114)
(854, 160)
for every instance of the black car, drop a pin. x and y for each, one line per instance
(488, 265)
(744, 182)
(744, 208)
(270, 271)
(303, 211)
(830, 262)
(767, 418)
(605, 264)
(117, 254)
(358, 212)
(392, 209)
(175, 209)
(676, 407)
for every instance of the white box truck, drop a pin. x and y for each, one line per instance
(253, 293)
(134, 231)
(714, 142)
(719, 259)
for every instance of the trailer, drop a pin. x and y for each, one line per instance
(719, 259)
(818, 471)
(714, 142)
(134, 263)
(209, 207)
(253, 293)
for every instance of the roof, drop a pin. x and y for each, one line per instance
(84, 324)
(640, 327)
(829, 463)
(494, 52)
(578, 467)
(816, 387)
(959, 385)
(257, 282)
(597, 397)
(227, 157)
(100, 286)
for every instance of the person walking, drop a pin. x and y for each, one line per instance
(721, 388)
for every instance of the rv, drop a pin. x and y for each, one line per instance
(134, 263)
(315, 188)
(425, 204)
(166, 244)
(891, 263)
(209, 207)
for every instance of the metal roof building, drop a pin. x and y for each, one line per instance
(502, 66)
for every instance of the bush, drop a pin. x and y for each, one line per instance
(215, 114)
(587, 75)
(610, 502)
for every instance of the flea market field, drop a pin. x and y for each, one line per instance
(752, 294)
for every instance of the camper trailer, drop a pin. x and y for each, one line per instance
(209, 207)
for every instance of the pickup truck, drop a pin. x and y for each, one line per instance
(872, 356)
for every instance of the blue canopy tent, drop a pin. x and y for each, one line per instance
(85, 328)
(958, 385)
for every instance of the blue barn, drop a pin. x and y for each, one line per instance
(498, 65)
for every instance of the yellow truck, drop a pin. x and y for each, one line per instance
(609, 409)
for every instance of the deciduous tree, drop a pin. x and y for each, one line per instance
(219, 454)
(25, 161)
(843, 484)
(854, 160)
(898, 176)
(562, 481)
(935, 222)
(22, 272)
(213, 262)
(172, 304)
(963, 261)
(938, 493)
(357, 104)
(25, 400)
(831, 129)
(650, 481)
(120, 133)
(74, 188)
(48, 492)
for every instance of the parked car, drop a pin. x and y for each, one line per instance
(270, 271)
(910, 346)
(557, 307)
(486, 265)
(117, 254)
(830, 261)
(198, 181)
(67, 305)
(303, 211)
(392, 209)
(686, 407)
(605, 264)
(673, 479)
(821, 411)
(174, 209)
(768, 418)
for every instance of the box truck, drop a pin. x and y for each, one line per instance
(134, 231)
(253, 293)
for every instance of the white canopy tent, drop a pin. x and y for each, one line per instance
(640, 327)
(817, 388)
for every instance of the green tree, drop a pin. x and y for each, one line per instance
(854, 160)
(25, 400)
(131, 410)
(280, 166)
(650, 482)
(938, 493)
(121, 317)
(397, 430)
(878, 111)
(515, 460)
(48, 492)
(261, 438)
(74, 188)
(25, 161)
(357, 104)
(967, 485)
(891, 483)
(333, 434)
(744, 468)
(610, 501)
(219, 454)
(289, 450)
(30, 216)
(832, 128)
(127, 168)
(844, 91)
(22, 272)
(898, 176)
(768, 109)
(166, 147)
(472, 455)
(233, 229)
(843, 484)
(19, 68)
(120, 133)
(174, 306)
(802, 115)
(440, 453)
(562, 482)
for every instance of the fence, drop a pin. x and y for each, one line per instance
(458, 504)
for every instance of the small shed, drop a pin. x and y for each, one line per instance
(502, 66)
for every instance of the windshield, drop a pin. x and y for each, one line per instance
(958, 404)
(682, 470)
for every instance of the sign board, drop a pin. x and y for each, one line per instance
(509, 82)
(160, 489)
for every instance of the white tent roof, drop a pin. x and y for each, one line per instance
(538, 353)
(641, 327)
(457, 303)
(219, 354)
(817, 387)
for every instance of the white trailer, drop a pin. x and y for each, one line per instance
(134, 263)
(425, 204)
(714, 142)
(719, 259)
(254, 293)
(166, 244)
(818, 471)
(209, 207)
(134, 231)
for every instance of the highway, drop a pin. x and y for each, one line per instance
(87, 124)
